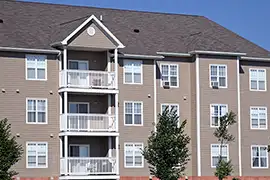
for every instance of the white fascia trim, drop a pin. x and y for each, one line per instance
(139, 56)
(218, 53)
(174, 54)
(29, 50)
(88, 134)
(98, 91)
(89, 177)
(155, 96)
(239, 117)
(254, 58)
(198, 116)
(92, 17)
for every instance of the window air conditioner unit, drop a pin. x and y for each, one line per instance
(166, 84)
(214, 84)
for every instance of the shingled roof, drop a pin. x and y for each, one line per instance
(37, 25)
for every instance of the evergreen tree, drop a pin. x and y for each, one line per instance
(167, 151)
(224, 168)
(10, 151)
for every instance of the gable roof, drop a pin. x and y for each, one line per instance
(37, 25)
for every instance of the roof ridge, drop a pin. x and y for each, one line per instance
(114, 9)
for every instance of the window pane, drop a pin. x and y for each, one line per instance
(137, 78)
(41, 160)
(253, 84)
(222, 71)
(31, 117)
(41, 105)
(264, 162)
(215, 121)
(128, 77)
(165, 78)
(215, 161)
(137, 119)
(262, 123)
(137, 108)
(31, 161)
(41, 117)
(138, 160)
(173, 81)
(261, 85)
(255, 151)
(263, 151)
(165, 70)
(128, 107)
(40, 73)
(214, 70)
(128, 119)
(173, 70)
(255, 162)
(31, 74)
(31, 105)
(129, 161)
(254, 123)
(222, 81)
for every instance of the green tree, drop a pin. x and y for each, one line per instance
(224, 168)
(167, 151)
(10, 151)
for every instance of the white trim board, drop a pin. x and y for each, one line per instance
(92, 17)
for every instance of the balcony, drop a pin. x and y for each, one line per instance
(87, 122)
(87, 79)
(88, 166)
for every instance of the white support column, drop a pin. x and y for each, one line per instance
(110, 112)
(116, 112)
(61, 146)
(66, 154)
(116, 67)
(108, 62)
(65, 60)
(117, 154)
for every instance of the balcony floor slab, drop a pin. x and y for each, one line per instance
(93, 91)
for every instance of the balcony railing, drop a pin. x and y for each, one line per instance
(87, 79)
(89, 165)
(87, 122)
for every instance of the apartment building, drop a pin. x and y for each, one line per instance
(82, 88)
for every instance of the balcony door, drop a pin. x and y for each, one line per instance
(78, 122)
(80, 77)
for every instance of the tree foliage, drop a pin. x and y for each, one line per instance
(10, 151)
(224, 168)
(167, 151)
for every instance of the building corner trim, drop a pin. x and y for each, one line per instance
(198, 115)
(155, 95)
(239, 116)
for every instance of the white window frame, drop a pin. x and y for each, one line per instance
(83, 145)
(226, 105)
(170, 106)
(124, 71)
(133, 113)
(36, 67)
(251, 155)
(133, 143)
(73, 60)
(226, 75)
(36, 167)
(266, 119)
(169, 79)
(265, 79)
(46, 112)
(219, 146)
(72, 102)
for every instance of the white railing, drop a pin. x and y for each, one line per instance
(87, 79)
(87, 122)
(89, 165)
(62, 166)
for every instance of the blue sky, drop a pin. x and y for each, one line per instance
(248, 18)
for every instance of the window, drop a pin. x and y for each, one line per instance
(217, 111)
(132, 72)
(218, 73)
(79, 107)
(216, 150)
(257, 78)
(133, 113)
(133, 155)
(79, 150)
(36, 67)
(173, 107)
(36, 111)
(37, 155)
(78, 65)
(170, 73)
(259, 157)
(258, 117)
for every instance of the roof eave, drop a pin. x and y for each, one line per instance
(30, 50)
(174, 54)
(218, 53)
